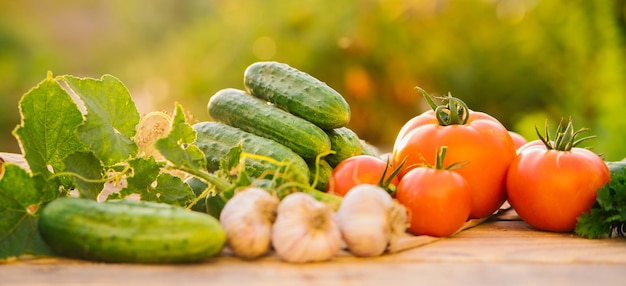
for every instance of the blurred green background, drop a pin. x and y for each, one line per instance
(522, 61)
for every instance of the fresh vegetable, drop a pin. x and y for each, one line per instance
(369, 149)
(321, 172)
(236, 108)
(474, 137)
(607, 217)
(305, 230)
(216, 140)
(370, 220)
(361, 169)
(247, 219)
(552, 182)
(518, 139)
(439, 199)
(345, 144)
(618, 167)
(127, 231)
(297, 92)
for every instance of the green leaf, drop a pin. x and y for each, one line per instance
(20, 200)
(47, 132)
(172, 190)
(144, 173)
(87, 173)
(177, 147)
(110, 119)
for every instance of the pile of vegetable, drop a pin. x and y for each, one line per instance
(276, 169)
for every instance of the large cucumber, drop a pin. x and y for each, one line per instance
(298, 92)
(215, 139)
(345, 142)
(127, 231)
(239, 109)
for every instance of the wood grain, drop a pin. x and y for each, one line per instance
(499, 252)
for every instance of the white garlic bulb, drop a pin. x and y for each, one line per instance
(369, 218)
(247, 220)
(305, 230)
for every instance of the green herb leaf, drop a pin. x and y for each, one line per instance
(111, 117)
(20, 200)
(608, 215)
(47, 133)
(178, 147)
(87, 173)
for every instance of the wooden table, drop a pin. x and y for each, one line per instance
(501, 251)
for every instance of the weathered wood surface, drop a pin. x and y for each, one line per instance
(503, 251)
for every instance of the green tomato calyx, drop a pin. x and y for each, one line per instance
(453, 111)
(565, 136)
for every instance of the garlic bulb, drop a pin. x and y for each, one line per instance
(305, 230)
(247, 220)
(369, 219)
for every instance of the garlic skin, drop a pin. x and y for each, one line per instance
(369, 219)
(247, 220)
(305, 230)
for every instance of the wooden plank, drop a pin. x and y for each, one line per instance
(496, 252)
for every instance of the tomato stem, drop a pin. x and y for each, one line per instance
(453, 111)
(564, 137)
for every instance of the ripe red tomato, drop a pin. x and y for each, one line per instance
(360, 169)
(518, 139)
(482, 141)
(550, 189)
(438, 201)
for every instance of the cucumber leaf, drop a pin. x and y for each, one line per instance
(111, 117)
(178, 148)
(20, 199)
(47, 133)
(172, 190)
(144, 173)
(88, 173)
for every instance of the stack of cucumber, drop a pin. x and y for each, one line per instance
(284, 114)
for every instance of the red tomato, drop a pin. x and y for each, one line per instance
(518, 139)
(360, 169)
(550, 189)
(482, 141)
(438, 201)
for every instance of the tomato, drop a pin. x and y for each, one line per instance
(479, 139)
(551, 188)
(360, 169)
(518, 139)
(438, 201)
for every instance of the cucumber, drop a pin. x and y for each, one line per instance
(369, 149)
(616, 167)
(323, 174)
(215, 139)
(297, 92)
(130, 232)
(239, 109)
(345, 143)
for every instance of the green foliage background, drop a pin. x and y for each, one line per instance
(523, 61)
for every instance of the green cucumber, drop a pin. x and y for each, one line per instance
(129, 231)
(369, 149)
(345, 143)
(297, 92)
(616, 167)
(323, 174)
(215, 139)
(239, 109)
